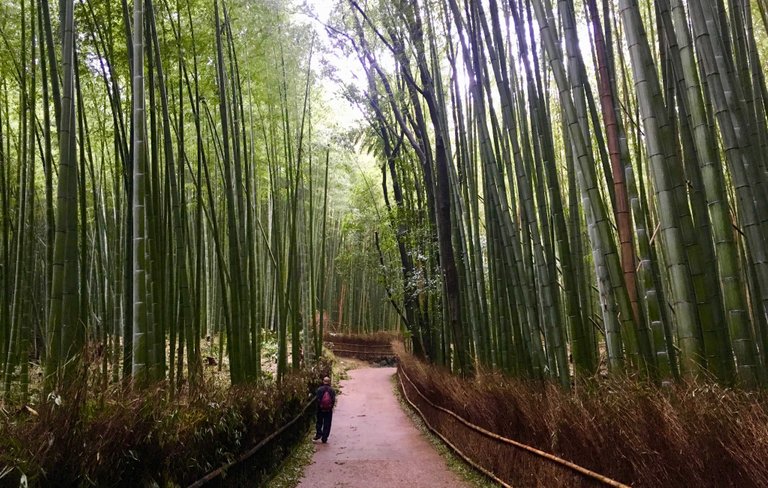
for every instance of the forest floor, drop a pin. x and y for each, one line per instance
(374, 443)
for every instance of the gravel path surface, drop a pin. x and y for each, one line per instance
(373, 443)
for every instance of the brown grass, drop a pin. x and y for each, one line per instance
(132, 437)
(687, 435)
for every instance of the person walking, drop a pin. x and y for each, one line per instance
(326, 400)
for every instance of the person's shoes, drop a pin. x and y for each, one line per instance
(325, 441)
(316, 438)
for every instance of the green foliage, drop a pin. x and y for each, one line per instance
(282, 119)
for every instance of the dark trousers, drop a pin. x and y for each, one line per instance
(323, 424)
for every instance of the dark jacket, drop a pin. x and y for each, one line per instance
(321, 391)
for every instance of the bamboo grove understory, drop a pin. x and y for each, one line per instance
(566, 188)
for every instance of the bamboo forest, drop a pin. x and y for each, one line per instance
(539, 228)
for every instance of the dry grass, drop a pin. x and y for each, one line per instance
(132, 438)
(686, 435)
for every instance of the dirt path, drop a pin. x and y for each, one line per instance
(373, 443)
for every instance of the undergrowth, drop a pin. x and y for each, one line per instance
(292, 469)
(132, 438)
(684, 435)
(454, 462)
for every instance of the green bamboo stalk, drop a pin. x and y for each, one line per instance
(612, 290)
(674, 218)
(717, 203)
(64, 343)
(140, 357)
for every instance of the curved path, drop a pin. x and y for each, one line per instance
(373, 442)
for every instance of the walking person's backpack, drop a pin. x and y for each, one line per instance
(326, 401)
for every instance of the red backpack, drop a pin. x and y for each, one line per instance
(326, 401)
